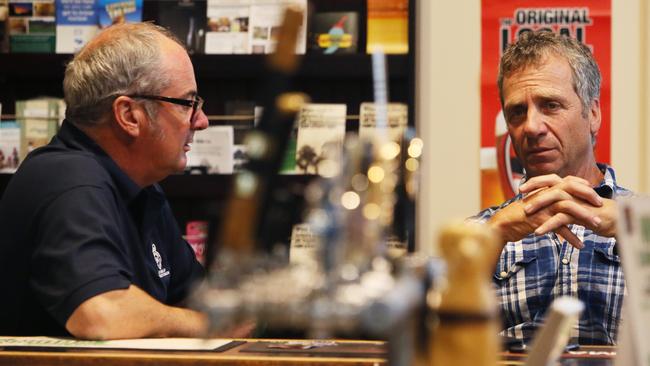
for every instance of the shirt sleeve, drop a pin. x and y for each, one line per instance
(79, 250)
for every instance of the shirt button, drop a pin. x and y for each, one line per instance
(503, 274)
(565, 261)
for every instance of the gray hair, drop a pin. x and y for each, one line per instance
(123, 59)
(532, 47)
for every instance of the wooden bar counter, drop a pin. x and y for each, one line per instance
(368, 353)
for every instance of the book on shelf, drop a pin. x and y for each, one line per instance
(118, 11)
(387, 26)
(186, 19)
(76, 23)
(4, 35)
(241, 126)
(32, 26)
(396, 124)
(213, 149)
(227, 28)
(265, 20)
(321, 131)
(334, 32)
(39, 119)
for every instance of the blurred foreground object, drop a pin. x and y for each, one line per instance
(633, 236)
(550, 340)
(355, 289)
(468, 322)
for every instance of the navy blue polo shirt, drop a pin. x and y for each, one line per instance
(73, 225)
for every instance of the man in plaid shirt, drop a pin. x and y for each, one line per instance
(559, 231)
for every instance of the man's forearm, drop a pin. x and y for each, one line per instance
(132, 313)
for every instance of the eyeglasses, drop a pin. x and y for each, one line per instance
(196, 103)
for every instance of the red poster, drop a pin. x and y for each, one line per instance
(502, 21)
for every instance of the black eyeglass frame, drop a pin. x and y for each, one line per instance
(196, 103)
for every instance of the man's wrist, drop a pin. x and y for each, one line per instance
(189, 323)
(497, 225)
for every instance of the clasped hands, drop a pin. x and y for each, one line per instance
(551, 203)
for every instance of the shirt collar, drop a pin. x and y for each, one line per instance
(607, 187)
(75, 138)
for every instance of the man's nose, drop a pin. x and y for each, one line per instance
(201, 121)
(535, 124)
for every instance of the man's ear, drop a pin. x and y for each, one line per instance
(129, 115)
(594, 117)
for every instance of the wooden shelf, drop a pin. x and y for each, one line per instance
(41, 66)
(351, 66)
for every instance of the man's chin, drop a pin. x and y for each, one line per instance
(534, 170)
(182, 165)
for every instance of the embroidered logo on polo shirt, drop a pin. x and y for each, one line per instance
(162, 272)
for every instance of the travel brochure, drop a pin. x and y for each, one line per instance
(204, 26)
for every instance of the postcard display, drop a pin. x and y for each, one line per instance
(248, 26)
(321, 127)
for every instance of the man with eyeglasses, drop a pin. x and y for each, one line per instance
(89, 245)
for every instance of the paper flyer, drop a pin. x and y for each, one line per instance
(76, 24)
(227, 31)
(397, 122)
(212, 148)
(305, 246)
(321, 128)
(265, 20)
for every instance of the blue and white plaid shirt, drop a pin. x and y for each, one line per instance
(532, 272)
